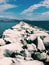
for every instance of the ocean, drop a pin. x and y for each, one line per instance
(6, 25)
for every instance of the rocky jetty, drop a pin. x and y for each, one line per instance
(24, 44)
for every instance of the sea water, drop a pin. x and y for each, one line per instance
(6, 25)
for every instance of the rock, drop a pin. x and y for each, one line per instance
(31, 47)
(40, 45)
(40, 56)
(15, 36)
(34, 62)
(19, 57)
(8, 61)
(48, 51)
(46, 42)
(9, 53)
(24, 43)
(11, 47)
(28, 55)
(40, 33)
(47, 60)
(2, 42)
(31, 37)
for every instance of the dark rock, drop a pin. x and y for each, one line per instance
(24, 47)
(40, 56)
(48, 52)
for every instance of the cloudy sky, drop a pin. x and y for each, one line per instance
(25, 9)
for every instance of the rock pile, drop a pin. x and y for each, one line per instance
(24, 44)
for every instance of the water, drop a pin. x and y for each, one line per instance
(7, 25)
(41, 24)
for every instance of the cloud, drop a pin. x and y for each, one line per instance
(31, 9)
(3, 1)
(9, 17)
(44, 3)
(43, 16)
(6, 6)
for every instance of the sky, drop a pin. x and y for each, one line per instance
(25, 9)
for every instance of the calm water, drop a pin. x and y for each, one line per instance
(7, 25)
(41, 24)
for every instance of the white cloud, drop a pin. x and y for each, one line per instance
(6, 6)
(43, 16)
(10, 17)
(3, 1)
(35, 6)
(31, 9)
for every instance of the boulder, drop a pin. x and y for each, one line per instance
(9, 61)
(28, 55)
(40, 33)
(48, 51)
(10, 47)
(47, 60)
(40, 56)
(31, 47)
(34, 62)
(40, 45)
(2, 42)
(46, 42)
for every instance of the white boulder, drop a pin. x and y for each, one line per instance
(2, 42)
(40, 44)
(8, 61)
(34, 62)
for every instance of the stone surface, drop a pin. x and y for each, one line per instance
(2, 42)
(8, 61)
(40, 56)
(34, 62)
(40, 44)
(46, 41)
(24, 44)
